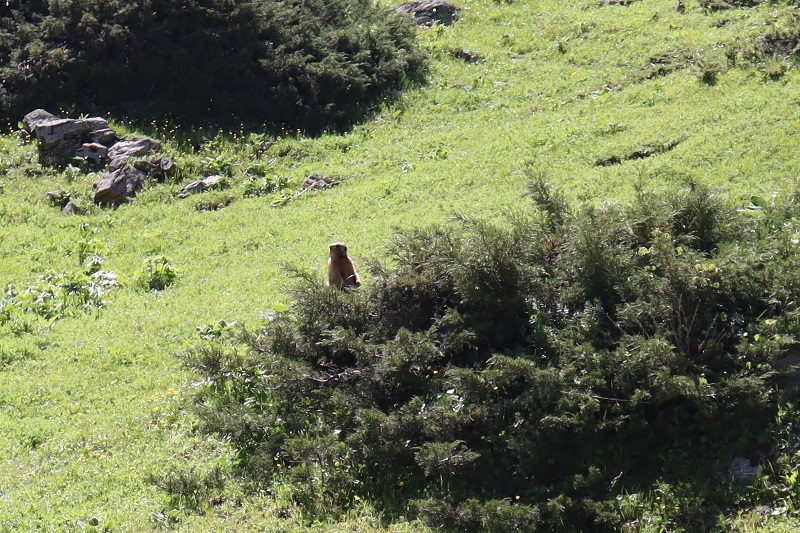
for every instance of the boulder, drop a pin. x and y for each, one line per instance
(199, 186)
(788, 368)
(35, 118)
(120, 152)
(742, 471)
(71, 209)
(118, 185)
(430, 12)
(61, 138)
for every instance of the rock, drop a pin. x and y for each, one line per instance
(266, 145)
(92, 139)
(194, 187)
(466, 55)
(61, 138)
(35, 118)
(166, 165)
(199, 186)
(742, 471)
(100, 132)
(58, 197)
(105, 136)
(631, 526)
(315, 181)
(430, 12)
(118, 185)
(71, 209)
(160, 169)
(120, 152)
(93, 152)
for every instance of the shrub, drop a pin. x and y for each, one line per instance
(527, 375)
(295, 64)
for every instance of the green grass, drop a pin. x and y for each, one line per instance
(93, 406)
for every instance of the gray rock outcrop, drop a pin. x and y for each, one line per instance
(61, 138)
(430, 12)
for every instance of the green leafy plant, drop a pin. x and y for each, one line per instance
(157, 274)
(87, 246)
(58, 295)
(258, 185)
(216, 330)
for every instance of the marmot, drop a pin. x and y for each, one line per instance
(340, 269)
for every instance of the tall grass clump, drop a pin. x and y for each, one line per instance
(562, 370)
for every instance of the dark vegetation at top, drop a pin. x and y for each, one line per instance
(308, 64)
(530, 376)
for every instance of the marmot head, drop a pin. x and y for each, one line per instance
(338, 249)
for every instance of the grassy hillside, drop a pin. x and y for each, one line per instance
(95, 420)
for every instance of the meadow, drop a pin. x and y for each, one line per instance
(96, 421)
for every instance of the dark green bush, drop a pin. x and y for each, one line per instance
(526, 376)
(308, 64)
